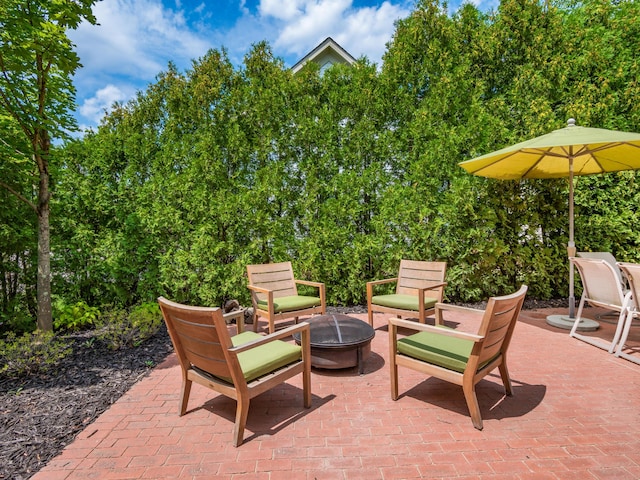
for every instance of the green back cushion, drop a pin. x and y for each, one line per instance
(266, 358)
(448, 352)
(404, 302)
(291, 303)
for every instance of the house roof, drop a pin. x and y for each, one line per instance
(325, 55)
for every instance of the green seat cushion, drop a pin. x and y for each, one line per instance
(266, 358)
(291, 303)
(404, 302)
(448, 352)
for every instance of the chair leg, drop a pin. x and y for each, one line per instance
(242, 412)
(306, 385)
(370, 313)
(472, 403)
(305, 342)
(574, 329)
(394, 380)
(393, 366)
(619, 330)
(504, 374)
(623, 338)
(184, 398)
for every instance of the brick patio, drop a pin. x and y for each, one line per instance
(575, 413)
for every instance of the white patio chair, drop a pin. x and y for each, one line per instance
(632, 273)
(601, 287)
(611, 260)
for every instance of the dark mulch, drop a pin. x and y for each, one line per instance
(42, 414)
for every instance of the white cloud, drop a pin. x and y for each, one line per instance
(361, 31)
(369, 29)
(134, 37)
(131, 45)
(281, 10)
(95, 107)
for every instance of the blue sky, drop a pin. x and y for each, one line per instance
(135, 39)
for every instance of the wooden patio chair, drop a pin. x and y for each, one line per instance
(419, 286)
(240, 367)
(458, 357)
(601, 287)
(632, 273)
(274, 294)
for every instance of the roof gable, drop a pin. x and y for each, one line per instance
(325, 55)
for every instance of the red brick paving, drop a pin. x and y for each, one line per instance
(575, 413)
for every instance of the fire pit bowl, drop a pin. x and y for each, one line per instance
(338, 341)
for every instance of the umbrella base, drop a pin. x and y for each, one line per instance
(565, 322)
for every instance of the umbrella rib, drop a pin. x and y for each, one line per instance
(593, 151)
(494, 162)
(541, 154)
(544, 152)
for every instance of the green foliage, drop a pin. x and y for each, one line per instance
(78, 316)
(16, 319)
(346, 171)
(31, 353)
(126, 328)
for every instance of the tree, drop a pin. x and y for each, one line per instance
(37, 62)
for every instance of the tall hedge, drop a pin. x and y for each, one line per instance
(344, 172)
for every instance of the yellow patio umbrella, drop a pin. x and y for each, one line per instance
(565, 152)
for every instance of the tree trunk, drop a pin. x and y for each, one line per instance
(43, 290)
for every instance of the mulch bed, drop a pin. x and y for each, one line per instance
(41, 414)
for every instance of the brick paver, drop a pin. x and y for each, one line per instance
(575, 413)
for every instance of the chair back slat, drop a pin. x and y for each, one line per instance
(414, 274)
(600, 282)
(200, 337)
(273, 276)
(632, 273)
(497, 325)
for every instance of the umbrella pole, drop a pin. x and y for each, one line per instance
(562, 321)
(571, 246)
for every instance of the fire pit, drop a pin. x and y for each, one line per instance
(338, 341)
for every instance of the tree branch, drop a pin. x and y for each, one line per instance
(10, 147)
(20, 196)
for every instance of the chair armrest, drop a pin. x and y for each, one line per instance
(394, 323)
(433, 287)
(238, 315)
(436, 286)
(311, 284)
(380, 282)
(258, 289)
(321, 291)
(373, 283)
(457, 308)
(445, 307)
(269, 293)
(280, 334)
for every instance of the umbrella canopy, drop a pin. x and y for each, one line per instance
(562, 153)
(565, 152)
